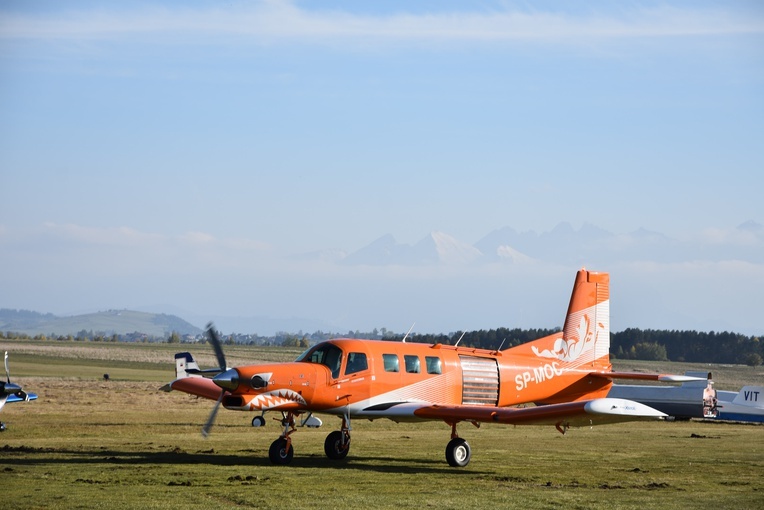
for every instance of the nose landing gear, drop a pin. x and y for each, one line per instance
(281, 451)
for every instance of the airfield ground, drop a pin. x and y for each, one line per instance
(89, 443)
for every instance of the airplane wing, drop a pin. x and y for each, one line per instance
(570, 414)
(16, 398)
(6, 399)
(198, 386)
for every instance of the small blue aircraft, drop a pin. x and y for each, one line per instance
(12, 392)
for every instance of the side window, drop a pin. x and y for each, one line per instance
(391, 362)
(412, 364)
(356, 363)
(433, 364)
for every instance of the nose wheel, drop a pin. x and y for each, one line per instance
(281, 451)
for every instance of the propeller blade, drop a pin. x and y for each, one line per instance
(7, 372)
(213, 414)
(217, 346)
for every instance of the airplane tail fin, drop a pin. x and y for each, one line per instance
(587, 323)
(585, 338)
(185, 365)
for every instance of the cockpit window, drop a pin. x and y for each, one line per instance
(356, 363)
(328, 355)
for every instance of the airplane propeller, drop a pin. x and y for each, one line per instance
(217, 345)
(218, 348)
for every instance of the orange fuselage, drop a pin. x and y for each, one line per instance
(370, 378)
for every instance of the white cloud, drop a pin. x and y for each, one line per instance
(108, 236)
(197, 238)
(733, 237)
(269, 22)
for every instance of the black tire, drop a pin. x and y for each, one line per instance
(279, 454)
(334, 448)
(458, 452)
(258, 421)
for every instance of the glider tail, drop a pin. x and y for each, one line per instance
(185, 365)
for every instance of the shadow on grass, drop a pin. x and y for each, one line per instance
(30, 456)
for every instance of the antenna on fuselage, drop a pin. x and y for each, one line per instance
(460, 339)
(500, 346)
(407, 332)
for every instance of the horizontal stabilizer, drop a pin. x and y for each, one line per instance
(206, 371)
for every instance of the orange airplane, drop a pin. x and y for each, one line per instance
(566, 376)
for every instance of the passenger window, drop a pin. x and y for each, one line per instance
(412, 364)
(356, 363)
(433, 364)
(391, 362)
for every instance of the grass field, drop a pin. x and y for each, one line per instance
(87, 443)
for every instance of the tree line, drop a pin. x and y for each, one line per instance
(632, 343)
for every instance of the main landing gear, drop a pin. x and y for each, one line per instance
(336, 445)
(458, 451)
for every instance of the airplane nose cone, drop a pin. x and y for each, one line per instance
(228, 380)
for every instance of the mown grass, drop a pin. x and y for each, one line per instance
(87, 443)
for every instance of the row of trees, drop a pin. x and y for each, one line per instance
(690, 346)
(633, 343)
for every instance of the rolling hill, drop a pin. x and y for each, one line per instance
(107, 323)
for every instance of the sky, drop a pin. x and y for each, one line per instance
(216, 159)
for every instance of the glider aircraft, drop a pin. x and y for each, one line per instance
(566, 376)
(11, 392)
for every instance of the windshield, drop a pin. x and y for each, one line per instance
(325, 354)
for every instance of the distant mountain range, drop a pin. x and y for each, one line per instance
(120, 322)
(589, 246)
(563, 244)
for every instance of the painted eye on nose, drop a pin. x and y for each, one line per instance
(259, 383)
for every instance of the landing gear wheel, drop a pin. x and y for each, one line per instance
(258, 421)
(281, 452)
(2, 427)
(333, 446)
(458, 452)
